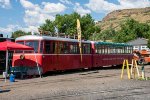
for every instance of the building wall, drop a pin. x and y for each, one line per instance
(139, 44)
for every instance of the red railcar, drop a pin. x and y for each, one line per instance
(54, 53)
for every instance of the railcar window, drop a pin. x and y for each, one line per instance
(41, 47)
(121, 49)
(130, 49)
(53, 49)
(112, 49)
(73, 48)
(115, 50)
(33, 44)
(20, 42)
(77, 48)
(103, 49)
(118, 49)
(47, 47)
(125, 49)
(96, 48)
(100, 49)
(61, 49)
(66, 48)
(55, 45)
(86, 48)
(108, 49)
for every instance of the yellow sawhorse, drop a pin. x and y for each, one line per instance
(125, 63)
(134, 69)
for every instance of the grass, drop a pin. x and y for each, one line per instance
(147, 78)
(1, 76)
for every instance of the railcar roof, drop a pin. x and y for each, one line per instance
(111, 43)
(36, 37)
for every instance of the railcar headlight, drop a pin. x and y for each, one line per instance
(22, 57)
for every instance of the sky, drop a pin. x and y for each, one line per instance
(28, 15)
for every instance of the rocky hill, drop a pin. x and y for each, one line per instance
(113, 19)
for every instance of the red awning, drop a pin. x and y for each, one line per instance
(7, 45)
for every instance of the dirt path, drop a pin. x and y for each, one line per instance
(79, 85)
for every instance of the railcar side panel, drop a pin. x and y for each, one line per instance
(111, 59)
(65, 62)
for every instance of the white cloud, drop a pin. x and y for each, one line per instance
(8, 29)
(66, 2)
(26, 4)
(53, 8)
(105, 6)
(12, 28)
(79, 9)
(5, 3)
(36, 14)
(134, 3)
(30, 29)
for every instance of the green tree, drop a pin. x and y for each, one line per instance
(88, 26)
(47, 26)
(148, 43)
(131, 29)
(67, 24)
(19, 33)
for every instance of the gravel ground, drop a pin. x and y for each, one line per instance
(104, 83)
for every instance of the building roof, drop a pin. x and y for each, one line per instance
(138, 41)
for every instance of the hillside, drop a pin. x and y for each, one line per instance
(114, 18)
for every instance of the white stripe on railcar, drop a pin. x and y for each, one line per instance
(50, 54)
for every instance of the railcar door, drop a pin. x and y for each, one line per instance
(50, 57)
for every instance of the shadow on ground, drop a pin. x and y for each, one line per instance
(73, 71)
(2, 91)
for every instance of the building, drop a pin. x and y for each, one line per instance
(139, 44)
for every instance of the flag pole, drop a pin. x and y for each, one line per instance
(79, 37)
(39, 71)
